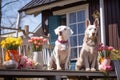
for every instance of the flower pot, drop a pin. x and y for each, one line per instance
(105, 64)
(11, 59)
(38, 58)
(106, 61)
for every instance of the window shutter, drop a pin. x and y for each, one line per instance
(53, 23)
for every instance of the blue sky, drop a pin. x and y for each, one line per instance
(10, 13)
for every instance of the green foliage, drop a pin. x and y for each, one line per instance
(115, 55)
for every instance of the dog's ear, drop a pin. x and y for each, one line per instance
(56, 31)
(96, 22)
(87, 23)
(70, 31)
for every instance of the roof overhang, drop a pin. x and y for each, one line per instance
(38, 9)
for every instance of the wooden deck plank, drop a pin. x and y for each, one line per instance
(48, 73)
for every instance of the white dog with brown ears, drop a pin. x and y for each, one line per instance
(88, 54)
(60, 56)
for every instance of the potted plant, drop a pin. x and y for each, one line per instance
(11, 44)
(104, 56)
(37, 44)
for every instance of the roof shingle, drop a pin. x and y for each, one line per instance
(36, 3)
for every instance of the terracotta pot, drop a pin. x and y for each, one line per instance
(12, 55)
(11, 59)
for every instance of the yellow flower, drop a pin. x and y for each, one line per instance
(11, 42)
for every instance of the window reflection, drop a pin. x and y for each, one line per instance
(73, 27)
(73, 41)
(80, 39)
(72, 17)
(73, 52)
(81, 28)
(81, 15)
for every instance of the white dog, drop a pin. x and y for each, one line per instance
(60, 56)
(88, 54)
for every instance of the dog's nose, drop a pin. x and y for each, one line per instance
(93, 34)
(60, 33)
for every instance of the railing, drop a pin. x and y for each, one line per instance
(26, 50)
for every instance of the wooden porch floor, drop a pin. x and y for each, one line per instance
(51, 74)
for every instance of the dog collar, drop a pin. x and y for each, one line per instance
(63, 42)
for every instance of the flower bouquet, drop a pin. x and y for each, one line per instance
(26, 63)
(37, 45)
(11, 44)
(104, 55)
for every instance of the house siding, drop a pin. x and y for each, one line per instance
(93, 6)
(45, 16)
(112, 22)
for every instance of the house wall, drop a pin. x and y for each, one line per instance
(94, 6)
(45, 16)
(112, 22)
(112, 19)
(47, 13)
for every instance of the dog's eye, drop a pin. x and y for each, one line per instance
(95, 29)
(65, 29)
(89, 28)
(59, 28)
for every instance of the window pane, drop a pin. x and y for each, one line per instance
(81, 15)
(73, 52)
(72, 17)
(79, 51)
(80, 39)
(77, 24)
(73, 27)
(73, 40)
(81, 28)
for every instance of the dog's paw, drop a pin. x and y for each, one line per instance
(93, 69)
(87, 69)
(77, 68)
(59, 68)
(66, 68)
(50, 69)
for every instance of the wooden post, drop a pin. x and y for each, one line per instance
(18, 23)
(102, 23)
(26, 30)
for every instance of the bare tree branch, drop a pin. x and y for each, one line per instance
(9, 3)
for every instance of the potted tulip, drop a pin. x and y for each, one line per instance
(37, 44)
(104, 55)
